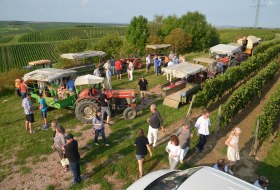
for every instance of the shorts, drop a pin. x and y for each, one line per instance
(44, 114)
(23, 95)
(30, 118)
(148, 66)
(143, 94)
(119, 72)
(140, 157)
(107, 110)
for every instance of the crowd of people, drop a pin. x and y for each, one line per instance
(176, 148)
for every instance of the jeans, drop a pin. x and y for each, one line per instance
(75, 169)
(157, 70)
(102, 134)
(201, 143)
(23, 95)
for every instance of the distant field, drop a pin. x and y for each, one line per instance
(67, 34)
(231, 35)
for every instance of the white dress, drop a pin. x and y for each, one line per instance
(233, 153)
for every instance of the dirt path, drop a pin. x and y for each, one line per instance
(49, 171)
(216, 149)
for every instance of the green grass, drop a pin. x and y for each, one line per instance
(270, 167)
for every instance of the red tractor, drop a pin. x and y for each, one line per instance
(137, 62)
(88, 103)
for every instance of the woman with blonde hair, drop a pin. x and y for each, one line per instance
(233, 149)
(174, 150)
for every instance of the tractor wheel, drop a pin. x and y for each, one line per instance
(129, 113)
(137, 63)
(85, 110)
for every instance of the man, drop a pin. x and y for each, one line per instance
(175, 60)
(170, 63)
(70, 85)
(43, 107)
(72, 153)
(142, 86)
(105, 106)
(108, 79)
(202, 124)
(118, 66)
(148, 63)
(112, 62)
(97, 73)
(157, 65)
(23, 90)
(155, 122)
(28, 110)
(171, 55)
(262, 182)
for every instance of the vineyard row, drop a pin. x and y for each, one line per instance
(212, 89)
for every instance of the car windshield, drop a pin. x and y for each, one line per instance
(172, 180)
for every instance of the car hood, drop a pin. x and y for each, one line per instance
(143, 182)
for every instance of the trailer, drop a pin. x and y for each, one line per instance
(180, 91)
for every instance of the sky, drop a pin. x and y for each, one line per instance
(218, 12)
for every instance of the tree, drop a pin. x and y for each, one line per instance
(110, 44)
(203, 34)
(137, 33)
(179, 39)
(169, 23)
(154, 39)
(155, 25)
(72, 46)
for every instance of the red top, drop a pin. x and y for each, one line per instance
(118, 65)
(22, 88)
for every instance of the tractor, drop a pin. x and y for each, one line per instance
(50, 81)
(120, 100)
(137, 62)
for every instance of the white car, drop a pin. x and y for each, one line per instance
(198, 178)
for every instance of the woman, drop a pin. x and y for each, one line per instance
(98, 127)
(142, 145)
(59, 139)
(130, 68)
(233, 150)
(184, 136)
(174, 150)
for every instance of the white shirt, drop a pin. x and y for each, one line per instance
(148, 60)
(203, 125)
(173, 150)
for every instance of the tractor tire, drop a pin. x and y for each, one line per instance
(137, 63)
(85, 110)
(129, 113)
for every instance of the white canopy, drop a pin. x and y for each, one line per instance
(158, 46)
(88, 79)
(224, 49)
(182, 70)
(48, 74)
(83, 55)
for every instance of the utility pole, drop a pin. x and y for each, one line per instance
(257, 6)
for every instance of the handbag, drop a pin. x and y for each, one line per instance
(64, 162)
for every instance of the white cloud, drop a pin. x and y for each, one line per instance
(84, 2)
(270, 3)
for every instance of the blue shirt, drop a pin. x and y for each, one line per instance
(70, 85)
(43, 102)
(157, 63)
